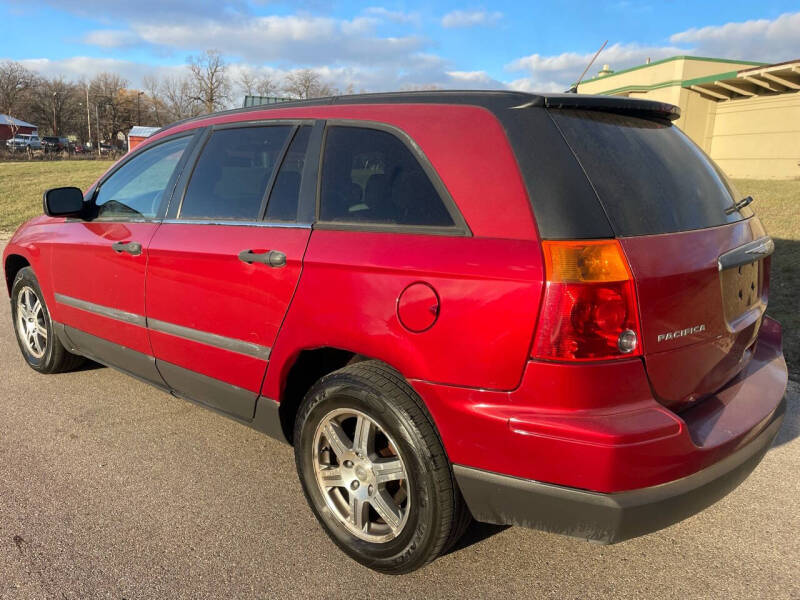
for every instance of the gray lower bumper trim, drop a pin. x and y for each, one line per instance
(608, 518)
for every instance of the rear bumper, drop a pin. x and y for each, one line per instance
(588, 451)
(609, 518)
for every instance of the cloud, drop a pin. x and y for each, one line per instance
(766, 40)
(292, 39)
(394, 16)
(111, 38)
(558, 72)
(470, 18)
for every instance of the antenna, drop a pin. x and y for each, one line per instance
(574, 88)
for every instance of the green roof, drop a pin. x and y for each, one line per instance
(681, 57)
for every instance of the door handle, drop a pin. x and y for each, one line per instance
(134, 248)
(273, 258)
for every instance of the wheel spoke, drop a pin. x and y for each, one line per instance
(41, 330)
(337, 438)
(364, 436)
(385, 506)
(37, 307)
(359, 512)
(390, 469)
(332, 477)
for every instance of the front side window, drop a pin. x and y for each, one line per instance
(137, 188)
(231, 176)
(369, 176)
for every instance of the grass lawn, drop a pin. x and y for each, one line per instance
(22, 184)
(777, 203)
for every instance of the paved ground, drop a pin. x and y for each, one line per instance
(112, 489)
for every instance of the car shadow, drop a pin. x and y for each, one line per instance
(475, 533)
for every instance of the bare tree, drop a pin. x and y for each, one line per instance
(305, 83)
(114, 104)
(15, 83)
(153, 87)
(178, 97)
(209, 80)
(253, 84)
(54, 102)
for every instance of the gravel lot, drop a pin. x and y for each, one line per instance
(112, 489)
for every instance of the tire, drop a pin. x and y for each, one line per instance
(37, 340)
(408, 508)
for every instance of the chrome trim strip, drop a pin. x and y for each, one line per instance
(194, 335)
(237, 223)
(111, 313)
(746, 254)
(211, 339)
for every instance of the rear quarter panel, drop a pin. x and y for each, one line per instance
(488, 290)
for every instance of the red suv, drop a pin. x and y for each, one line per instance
(543, 310)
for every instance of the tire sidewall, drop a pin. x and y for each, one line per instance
(419, 533)
(24, 278)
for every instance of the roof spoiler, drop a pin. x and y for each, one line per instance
(615, 104)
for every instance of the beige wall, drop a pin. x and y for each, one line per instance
(758, 137)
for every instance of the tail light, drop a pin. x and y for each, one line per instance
(589, 309)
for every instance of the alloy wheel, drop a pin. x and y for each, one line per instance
(361, 475)
(31, 323)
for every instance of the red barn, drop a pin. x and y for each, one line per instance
(138, 134)
(7, 125)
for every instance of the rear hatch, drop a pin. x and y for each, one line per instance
(700, 262)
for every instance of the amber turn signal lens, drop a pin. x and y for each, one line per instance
(589, 261)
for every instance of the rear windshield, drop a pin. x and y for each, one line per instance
(649, 176)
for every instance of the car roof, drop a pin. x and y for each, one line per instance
(494, 100)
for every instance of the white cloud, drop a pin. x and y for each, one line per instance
(394, 16)
(293, 39)
(470, 18)
(766, 40)
(558, 72)
(111, 38)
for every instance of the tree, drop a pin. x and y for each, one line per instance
(16, 85)
(305, 83)
(114, 104)
(253, 84)
(54, 105)
(153, 87)
(179, 100)
(210, 85)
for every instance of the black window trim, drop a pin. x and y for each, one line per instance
(172, 216)
(91, 193)
(459, 227)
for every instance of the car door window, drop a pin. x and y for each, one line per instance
(231, 176)
(136, 189)
(284, 198)
(370, 176)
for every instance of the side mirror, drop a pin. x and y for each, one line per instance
(63, 202)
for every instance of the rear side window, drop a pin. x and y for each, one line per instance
(649, 176)
(230, 178)
(284, 198)
(369, 176)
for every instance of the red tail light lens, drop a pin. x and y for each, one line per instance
(589, 309)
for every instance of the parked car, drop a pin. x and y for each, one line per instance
(106, 148)
(541, 310)
(24, 142)
(54, 144)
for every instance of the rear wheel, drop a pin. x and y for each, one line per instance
(40, 346)
(374, 470)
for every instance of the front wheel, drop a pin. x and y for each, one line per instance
(41, 348)
(374, 470)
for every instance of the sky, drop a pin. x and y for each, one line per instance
(531, 46)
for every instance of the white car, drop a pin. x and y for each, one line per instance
(23, 142)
